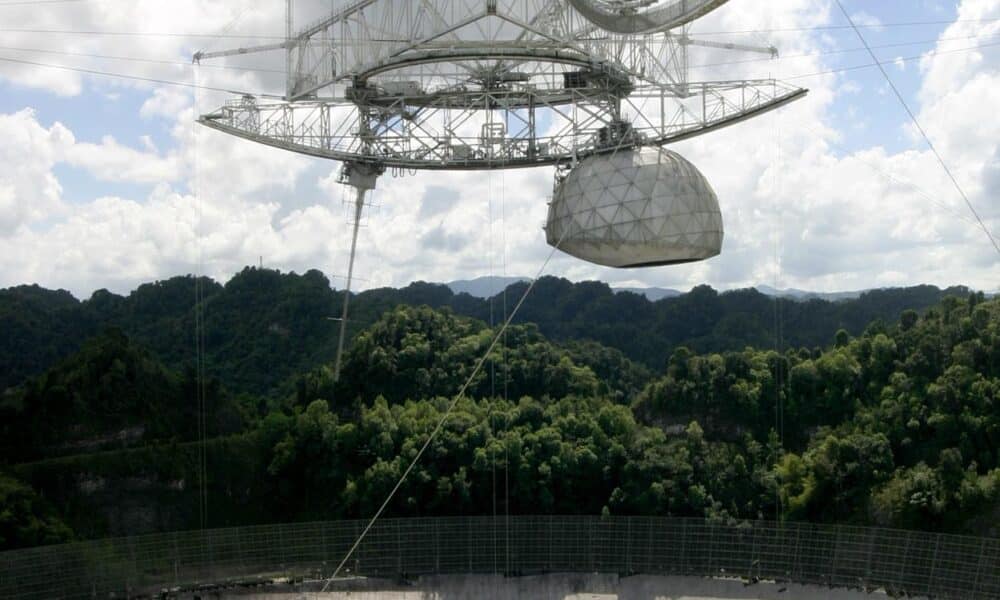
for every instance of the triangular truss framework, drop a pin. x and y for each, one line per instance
(472, 84)
(636, 208)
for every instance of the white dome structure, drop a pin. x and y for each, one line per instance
(635, 208)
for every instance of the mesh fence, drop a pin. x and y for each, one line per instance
(901, 562)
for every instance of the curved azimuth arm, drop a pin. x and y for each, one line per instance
(633, 20)
(436, 136)
(473, 84)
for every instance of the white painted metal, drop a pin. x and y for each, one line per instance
(362, 177)
(644, 16)
(498, 84)
(449, 138)
(687, 40)
(411, 83)
(359, 206)
(635, 208)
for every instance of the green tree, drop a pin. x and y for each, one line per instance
(26, 519)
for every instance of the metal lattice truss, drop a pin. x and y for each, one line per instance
(471, 84)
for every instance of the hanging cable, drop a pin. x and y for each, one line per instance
(493, 371)
(784, 57)
(153, 80)
(155, 61)
(901, 59)
(188, 63)
(37, 2)
(169, 34)
(841, 27)
(125, 76)
(199, 325)
(506, 375)
(447, 414)
(503, 346)
(889, 176)
(778, 317)
(228, 28)
(189, 34)
(158, 81)
(923, 133)
(202, 391)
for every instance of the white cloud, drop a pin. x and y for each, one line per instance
(111, 161)
(29, 191)
(166, 102)
(795, 208)
(849, 88)
(189, 25)
(867, 20)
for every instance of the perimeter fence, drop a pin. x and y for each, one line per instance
(901, 562)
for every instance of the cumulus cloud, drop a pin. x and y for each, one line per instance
(798, 211)
(111, 161)
(166, 102)
(867, 20)
(29, 191)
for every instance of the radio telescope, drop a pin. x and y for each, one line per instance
(598, 85)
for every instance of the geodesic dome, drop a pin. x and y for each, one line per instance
(635, 208)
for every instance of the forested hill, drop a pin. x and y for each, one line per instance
(898, 426)
(263, 327)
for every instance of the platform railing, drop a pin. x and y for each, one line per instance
(900, 562)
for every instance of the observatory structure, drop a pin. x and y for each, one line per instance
(595, 88)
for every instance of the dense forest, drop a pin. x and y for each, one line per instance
(894, 421)
(264, 328)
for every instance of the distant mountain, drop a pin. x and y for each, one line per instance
(483, 287)
(651, 293)
(796, 294)
(486, 287)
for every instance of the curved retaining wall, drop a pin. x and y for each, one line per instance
(901, 562)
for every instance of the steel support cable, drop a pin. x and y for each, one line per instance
(923, 133)
(37, 2)
(202, 385)
(778, 317)
(506, 375)
(155, 61)
(158, 81)
(266, 70)
(228, 27)
(447, 414)
(900, 59)
(503, 346)
(100, 73)
(123, 33)
(179, 34)
(187, 63)
(493, 371)
(844, 51)
(889, 176)
(503, 354)
(841, 27)
(199, 326)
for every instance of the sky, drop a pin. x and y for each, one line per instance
(108, 182)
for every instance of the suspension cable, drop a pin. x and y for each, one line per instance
(447, 414)
(199, 327)
(923, 133)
